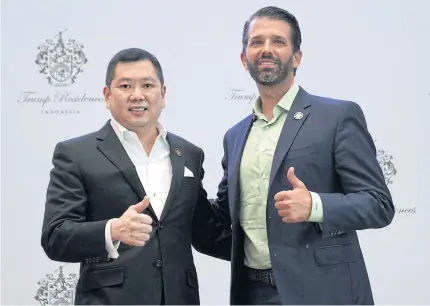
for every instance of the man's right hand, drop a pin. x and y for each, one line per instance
(133, 227)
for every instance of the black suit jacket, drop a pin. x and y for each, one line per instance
(93, 180)
(334, 155)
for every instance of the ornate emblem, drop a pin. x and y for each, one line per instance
(60, 61)
(386, 163)
(57, 289)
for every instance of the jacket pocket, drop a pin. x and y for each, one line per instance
(102, 277)
(191, 275)
(334, 274)
(334, 254)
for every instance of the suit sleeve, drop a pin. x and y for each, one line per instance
(212, 223)
(67, 235)
(366, 201)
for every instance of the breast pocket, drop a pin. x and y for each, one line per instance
(302, 150)
(187, 193)
(189, 181)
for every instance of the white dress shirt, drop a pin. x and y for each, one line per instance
(154, 171)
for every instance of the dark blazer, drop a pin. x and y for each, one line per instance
(93, 180)
(334, 155)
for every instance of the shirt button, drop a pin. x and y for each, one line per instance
(159, 263)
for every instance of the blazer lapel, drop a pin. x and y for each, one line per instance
(233, 181)
(112, 148)
(289, 130)
(178, 165)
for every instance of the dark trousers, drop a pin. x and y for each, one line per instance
(260, 293)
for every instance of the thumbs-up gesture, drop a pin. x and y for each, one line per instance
(133, 227)
(294, 205)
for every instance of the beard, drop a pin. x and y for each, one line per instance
(273, 75)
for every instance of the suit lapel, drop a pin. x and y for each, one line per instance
(112, 148)
(240, 141)
(289, 130)
(177, 159)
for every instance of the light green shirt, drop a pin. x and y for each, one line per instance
(255, 167)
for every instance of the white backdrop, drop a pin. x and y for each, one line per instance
(373, 52)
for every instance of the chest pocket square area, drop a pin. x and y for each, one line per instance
(188, 173)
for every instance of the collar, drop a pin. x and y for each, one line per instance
(121, 131)
(285, 102)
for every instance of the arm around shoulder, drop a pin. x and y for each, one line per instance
(212, 224)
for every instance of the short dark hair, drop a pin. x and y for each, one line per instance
(132, 55)
(275, 13)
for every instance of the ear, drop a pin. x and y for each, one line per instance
(107, 94)
(297, 59)
(243, 59)
(163, 96)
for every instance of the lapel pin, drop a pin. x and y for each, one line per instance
(298, 115)
(178, 152)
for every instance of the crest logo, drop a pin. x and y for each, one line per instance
(57, 289)
(60, 61)
(386, 163)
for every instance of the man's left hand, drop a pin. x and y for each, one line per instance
(294, 205)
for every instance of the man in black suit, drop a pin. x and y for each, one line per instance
(300, 179)
(127, 201)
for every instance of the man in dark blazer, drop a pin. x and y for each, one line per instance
(127, 201)
(300, 178)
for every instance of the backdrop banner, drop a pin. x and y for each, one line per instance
(375, 53)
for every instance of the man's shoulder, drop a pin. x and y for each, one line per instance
(188, 145)
(328, 102)
(81, 140)
(85, 140)
(76, 148)
(331, 103)
(238, 127)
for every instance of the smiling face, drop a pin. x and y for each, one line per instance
(136, 96)
(269, 55)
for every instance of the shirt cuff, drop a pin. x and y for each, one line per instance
(111, 246)
(317, 208)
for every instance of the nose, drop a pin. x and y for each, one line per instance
(137, 95)
(267, 47)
